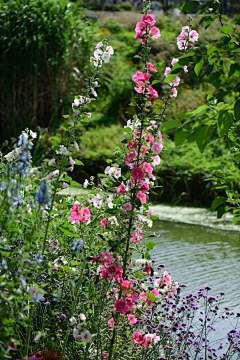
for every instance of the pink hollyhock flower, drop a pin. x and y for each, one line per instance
(132, 319)
(160, 136)
(121, 189)
(130, 157)
(155, 293)
(174, 92)
(144, 77)
(88, 114)
(167, 71)
(156, 148)
(142, 197)
(190, 46)
(150, 138)
(151, 67)
(147, 167)
(72, 162)
(148, 20)
(139, 35)
(175, 81)
(121, 306)
(85, 213)
(137, 338)
(63, 150)
(174, 288)
(193, 36)
(127, 207)
(181, 44)
(141, 87)
(75, 206)
(110, 322)
(174, 61)
(136, 237)
(104, 222)
(140, 26)
(155, 33)
(137, 173)
(145, 187)
(148, 269)
(132, 145)
(185, 68)
(156, 160)
(65, 185)
(136, 76)
(182, 35)
(106, 258)
(112, 269)
(126, 285)
(152, 93)
(96, 259)
(150, 213)
(118, 274)
(104, 274)
(185, 28)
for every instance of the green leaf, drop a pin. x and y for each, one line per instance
(214, 79)
(74, 183)
(234, 70)
(109, 161)
(150, 245)
(66, 116)
(127, 129)
(221, 211)
(175, 70)
(188, 54)
(227, 30)
(183, 62)
(133, 104)
(198, 66)
(155, 82)
(68, 269)
(225, 121)
(154, 217)
(147, 256)
(170, 124)
(237, 110)
(65, 231)
(78, 162)
(181, 135)
(202, 136)
(189, 6)
(218, 201)
(124, 170)
(131, 112)
(235, 219)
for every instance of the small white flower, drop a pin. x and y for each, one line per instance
(33, 134)
(106, 57)
(79, 326)
(52, 250)
(110, 203)
(113, 220)
(94, 92)
(85, 184)
(82, 317)
(110, 50)
(72, 320)
(97, 53)
(51, 162)
(86, 336)
(72, 162)
(88, 114)
(28, 188)
(71, 168)
(29, 209)
(99, 45)
(44, 213)
(55, 173)
(76, 334)
(76, 146)
(95, 83)
(65, 185)
(54, 243)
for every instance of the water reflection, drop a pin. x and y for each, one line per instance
(199, 256)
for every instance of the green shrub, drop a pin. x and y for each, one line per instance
(44, 46)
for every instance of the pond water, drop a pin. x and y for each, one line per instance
(198, 256)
